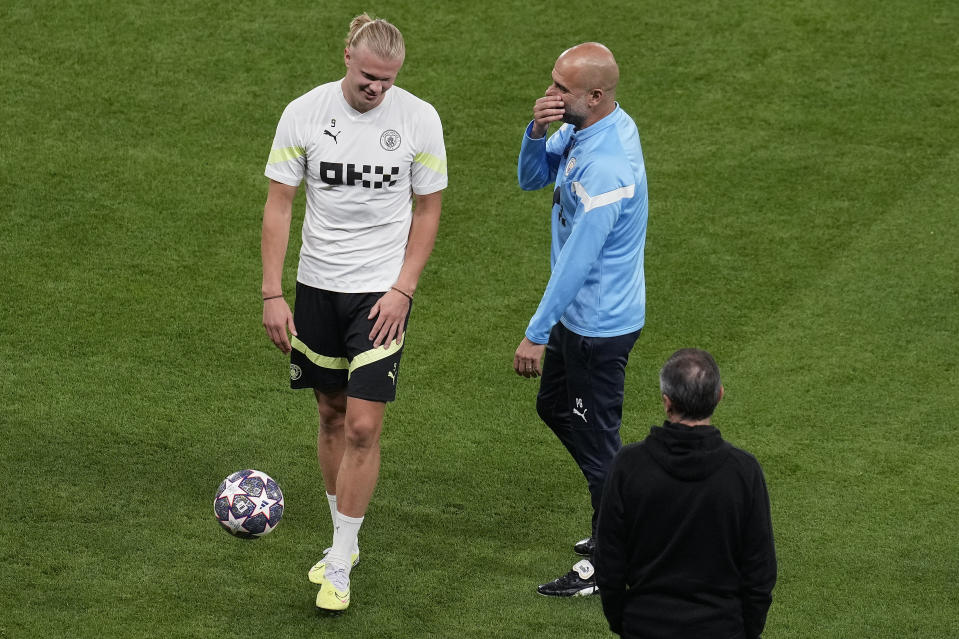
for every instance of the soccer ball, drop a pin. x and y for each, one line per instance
(248, 504)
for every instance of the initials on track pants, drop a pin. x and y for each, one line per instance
(581, 399)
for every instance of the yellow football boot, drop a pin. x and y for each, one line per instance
(319, 568)
(334, 594)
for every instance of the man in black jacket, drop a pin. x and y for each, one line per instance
(685, 542)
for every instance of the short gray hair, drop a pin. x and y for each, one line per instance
(690, 379)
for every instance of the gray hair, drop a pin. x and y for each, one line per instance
(690, 379)
(380, 37)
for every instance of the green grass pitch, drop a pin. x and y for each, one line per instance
(803, 164)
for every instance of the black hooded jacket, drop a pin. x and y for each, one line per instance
(684, 541)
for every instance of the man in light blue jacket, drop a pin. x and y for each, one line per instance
(594, 306)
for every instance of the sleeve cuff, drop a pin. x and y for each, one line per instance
(540, 338)
(282, 178)
(529, 128)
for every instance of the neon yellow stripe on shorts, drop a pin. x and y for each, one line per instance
(341, 363)
(431, 162)
(375, 355)
(288, 153)
(337, 363)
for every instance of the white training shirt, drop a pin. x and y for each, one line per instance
(361, 170)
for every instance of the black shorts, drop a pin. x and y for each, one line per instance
(332, 350)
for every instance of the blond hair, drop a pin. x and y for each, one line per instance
(380, 37)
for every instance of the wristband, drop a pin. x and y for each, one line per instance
(404, 294)
(272, 297)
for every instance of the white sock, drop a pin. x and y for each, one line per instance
(344, 540)
(332, 501)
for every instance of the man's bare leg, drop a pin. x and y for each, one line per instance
(359, 470)
(330, 437)
(360, 465)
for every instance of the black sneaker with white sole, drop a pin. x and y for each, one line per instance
(584, 547)
(578, 582)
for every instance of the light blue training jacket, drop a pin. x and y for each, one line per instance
(597, 287)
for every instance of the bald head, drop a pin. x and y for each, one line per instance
(593, 65)
(585, 77)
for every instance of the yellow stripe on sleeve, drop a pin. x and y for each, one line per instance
(282, 155)
(431, 162)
